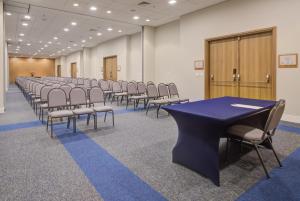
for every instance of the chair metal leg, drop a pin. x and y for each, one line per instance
(51, 127)
(47, 123)
(88, 119)
(227, 148)
(74, 124)
(157, 111)
(148, 105)
(127, 103)
(68, 124)
(271, 145)
(42, 116)
(105, 116)
(261, 160)
(95, 121)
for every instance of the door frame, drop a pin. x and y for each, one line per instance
(104, 65)
(257, 31)
(58, 70)
(71, 71)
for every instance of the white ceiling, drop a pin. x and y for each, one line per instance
(50, 17)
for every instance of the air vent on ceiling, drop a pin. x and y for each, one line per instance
(16, 7)
(144, 3)
(93, 30)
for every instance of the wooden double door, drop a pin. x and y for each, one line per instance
(242, 66)
(110, 68)
(73, 70)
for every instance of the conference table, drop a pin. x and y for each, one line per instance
(201, 124)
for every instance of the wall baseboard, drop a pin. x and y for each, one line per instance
(1, 110)
(291, 118)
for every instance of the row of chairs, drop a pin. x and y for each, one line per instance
(133, 92)
(66, 100)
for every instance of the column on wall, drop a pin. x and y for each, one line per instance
(2, 63)
(148, 53)
(86, 65)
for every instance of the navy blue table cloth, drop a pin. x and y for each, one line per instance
(201, 124)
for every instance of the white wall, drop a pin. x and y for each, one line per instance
(134, 70)
(149, 53)
(2, 68)
(90, 60)
(178, 44)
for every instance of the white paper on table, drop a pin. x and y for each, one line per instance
(247, 106)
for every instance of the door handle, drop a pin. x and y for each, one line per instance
(212, 77)
(234, 77)
(268, 78)
(238, 77)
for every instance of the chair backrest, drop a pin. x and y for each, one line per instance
(94, 83)
(104, 85)
(96, 95)
(173, 90)
(80, 81)
(163, 90)
(110, 84)
(141, 87)
(124, 86)
(152, 91)
(116, 87)
(44, 93)
(78, 96)
(132, 88)
(150, 83)
(56, 85)
(275, 116)
(66, 88)
(74, 80)
(56, 98)
(87, 82)
(38, 90)
(72, 85)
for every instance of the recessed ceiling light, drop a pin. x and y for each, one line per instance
(49, 42)
(108, 11)
(55, 38)
(45, 45)
(93, 8)
(90, 37)
(136, 17)
(20, 40)
(42, 48)
(75, 45)
(73, 23)
(172, 2)
(27, 17)
(8, 13)
(75, 4)
(148, 20)
(28, 44)
(18, 47)
(58, 43)
(40, 41)
(25, 24)
(66, 29)
(83, 41)
(120, 31)
(9, 39)
(63, 50)
(8, 45)
(99, 34)
(21, 34)
(69, 47)
(109, 29)
(39, 50)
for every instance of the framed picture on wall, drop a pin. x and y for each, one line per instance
(288, 60)
(199, 65)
